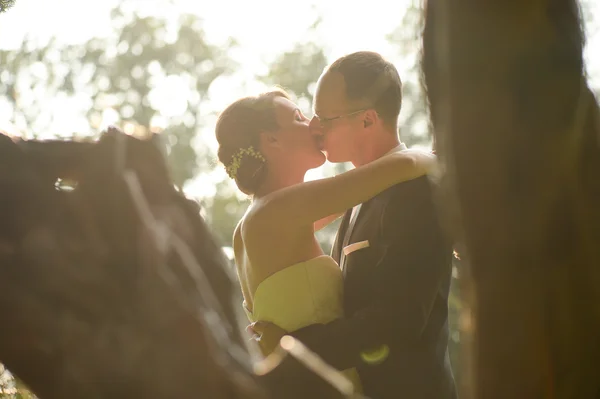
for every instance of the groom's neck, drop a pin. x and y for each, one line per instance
(376, 147)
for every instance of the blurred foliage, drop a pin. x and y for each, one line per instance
(414, 118)
(297, 71)
(152, 74)
(224, 210)
(6, 4)
(12, 388)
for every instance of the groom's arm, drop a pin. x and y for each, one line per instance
(407, 279)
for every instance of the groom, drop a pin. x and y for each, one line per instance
(396, 260)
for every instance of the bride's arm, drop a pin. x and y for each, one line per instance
(309, 202)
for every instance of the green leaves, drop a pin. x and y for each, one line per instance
(6, 4)
(298, 70)
(150, 73)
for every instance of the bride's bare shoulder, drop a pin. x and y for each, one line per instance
(254, 222)
(258, 212)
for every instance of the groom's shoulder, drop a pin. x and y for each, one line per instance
(412, 202)
(418, 190)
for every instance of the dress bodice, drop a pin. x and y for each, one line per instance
(305, 293)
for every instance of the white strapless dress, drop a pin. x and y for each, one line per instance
(306, 293)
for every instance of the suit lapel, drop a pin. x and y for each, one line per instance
(344, 233)
(348, 234)
(336, 251)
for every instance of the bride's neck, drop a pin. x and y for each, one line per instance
(275, 182)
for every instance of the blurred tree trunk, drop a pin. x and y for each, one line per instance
(518, 131)
(115, 289)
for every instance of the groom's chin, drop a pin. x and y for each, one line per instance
(333, 159)
(323, 160)
(327, 156)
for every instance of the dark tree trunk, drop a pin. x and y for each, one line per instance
(115, 289)
(518, 131)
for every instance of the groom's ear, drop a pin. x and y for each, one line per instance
(370, 118)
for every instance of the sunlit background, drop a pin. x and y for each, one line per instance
(249, 39)
(72, 67)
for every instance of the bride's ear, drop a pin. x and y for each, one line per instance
(268, 140)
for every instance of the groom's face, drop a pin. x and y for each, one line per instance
(337, 122)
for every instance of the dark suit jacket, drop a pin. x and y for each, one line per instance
(396, 294)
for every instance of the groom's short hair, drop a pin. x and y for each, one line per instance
(371, 80)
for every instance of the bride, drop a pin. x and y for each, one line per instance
(267, 147)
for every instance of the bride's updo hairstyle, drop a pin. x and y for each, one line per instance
(238, 133)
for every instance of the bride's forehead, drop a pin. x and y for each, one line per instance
(284, 105)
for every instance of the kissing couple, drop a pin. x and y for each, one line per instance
(377, 308)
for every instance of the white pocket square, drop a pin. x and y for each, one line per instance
(355, 247)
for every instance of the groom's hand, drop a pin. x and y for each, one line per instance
(267, 335)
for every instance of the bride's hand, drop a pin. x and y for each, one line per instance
(267, 335)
